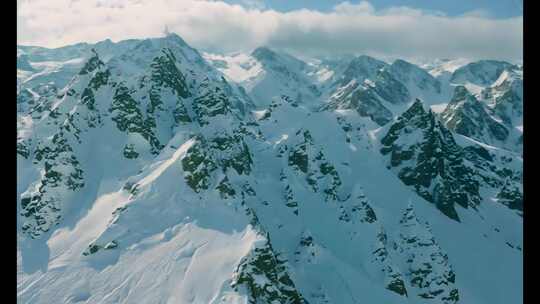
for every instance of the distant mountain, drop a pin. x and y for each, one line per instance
(266, 75)
(482, 73)
(468, 116)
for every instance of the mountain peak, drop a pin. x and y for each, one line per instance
(171, 40)
(492, 62)
(173, 37)
(92, 63)
(482, 72)
(365, 59)
(264, 53)
(361, 68)
(417, 108)
(107, 42)
(467, 116)
(402, 66)
(461, 93)
(402, 63)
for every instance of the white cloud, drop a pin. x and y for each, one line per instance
(348, 28)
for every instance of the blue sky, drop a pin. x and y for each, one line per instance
(494, 8)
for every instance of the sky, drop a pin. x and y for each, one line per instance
(473, 29)
(494, 8)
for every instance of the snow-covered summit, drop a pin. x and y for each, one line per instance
(482, 72)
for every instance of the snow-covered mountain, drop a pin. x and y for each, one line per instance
(488, 103)
(267, 74)
(151, 173)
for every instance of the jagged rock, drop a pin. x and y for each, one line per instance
(210, 101)
(511, 196)
(129, 118)
(91, 64)
(22, 149)
(225, 188)
(509, 105)
(467, 116)
(365, 84)
(389, 88)
(42, 203)
(365, 101)
(482, 72)
(94, 248)
(222, 150)
(408, 73)
(130, 152)
(198, 165)
(426, 157)
(165, 75)
(505, 96)
(288, 194)
(361, 68)
(393, 278)
(363, 210)
(308, 158)
(234, 150)
(265, 277)
(429, 271)
(298, 155)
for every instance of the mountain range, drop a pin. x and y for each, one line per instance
(151, 172)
